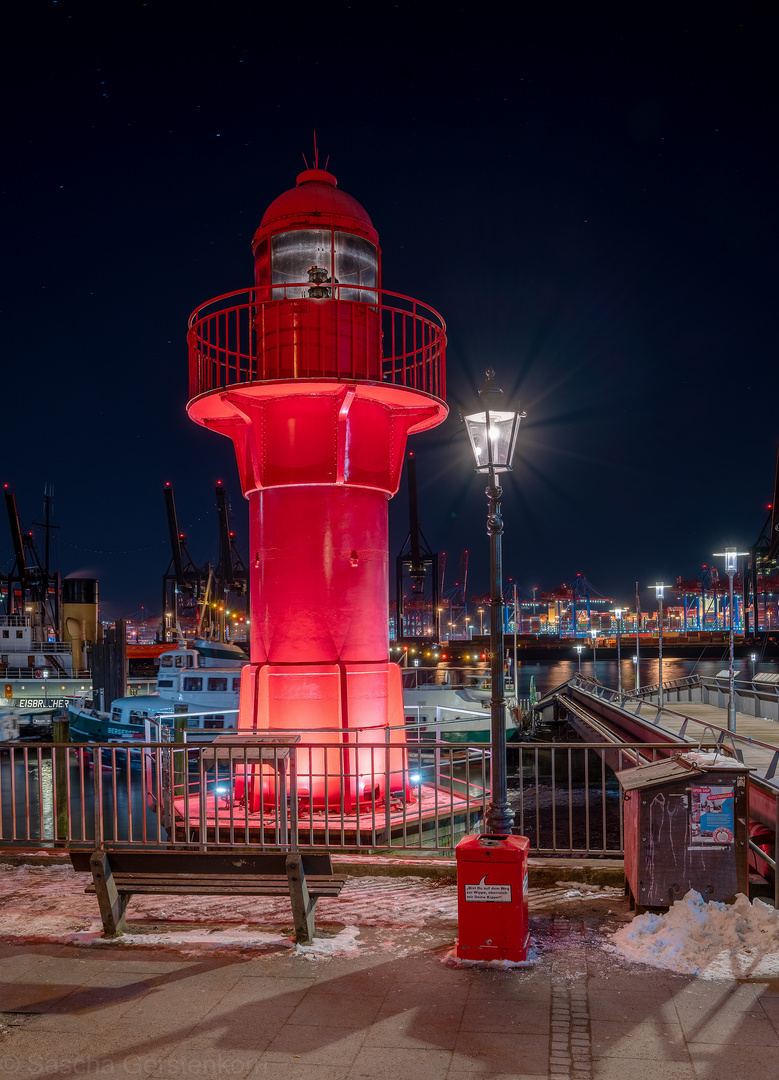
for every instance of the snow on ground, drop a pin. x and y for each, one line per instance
(454, 961)
(49, 903)
(711, 940)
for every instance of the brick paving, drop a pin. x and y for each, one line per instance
(389, 1009)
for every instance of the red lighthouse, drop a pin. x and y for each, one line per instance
(318, 377)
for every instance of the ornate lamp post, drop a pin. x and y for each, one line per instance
(493, 436)
(731, 555)
(659, 592)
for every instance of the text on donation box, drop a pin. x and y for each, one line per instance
(487, 894)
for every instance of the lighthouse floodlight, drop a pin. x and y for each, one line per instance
(493, 432)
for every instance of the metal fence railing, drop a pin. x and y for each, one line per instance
(276, 332)
(373, 796)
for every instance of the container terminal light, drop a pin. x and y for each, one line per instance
(659, 588)
(731, 556)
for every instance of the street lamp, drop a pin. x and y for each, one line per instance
(493, 436)
(594, 636)
(579, 651)
(753, 658)
(731, 555)
(481, 622)
(659, 592)
(618, 612)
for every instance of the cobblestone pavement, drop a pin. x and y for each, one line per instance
(390, 1008)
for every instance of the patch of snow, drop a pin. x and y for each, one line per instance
(706, 758)
(344, 943)
(711, 940)
(452, 960)
(575, 889)
(239, 939)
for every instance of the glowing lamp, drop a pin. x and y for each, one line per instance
(493, 436)
(731, 555)
(493, 432)
(731, 568)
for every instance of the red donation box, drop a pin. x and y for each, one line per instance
(492, 897)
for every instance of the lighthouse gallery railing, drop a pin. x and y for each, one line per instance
(225, 343)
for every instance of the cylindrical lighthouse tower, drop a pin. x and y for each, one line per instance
(318, 377)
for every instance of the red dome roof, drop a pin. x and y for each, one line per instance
(316, 202)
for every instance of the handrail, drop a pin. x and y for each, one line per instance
(263, 334)
(723, 732)
(155, 794)
(672, 684)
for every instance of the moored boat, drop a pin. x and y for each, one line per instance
(199, 681)
(452, 713)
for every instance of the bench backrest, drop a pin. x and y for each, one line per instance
(125, 861)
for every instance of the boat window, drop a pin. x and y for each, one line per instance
(5, 633)
(192, 722)
(116, 716)
(181, 661)
(193, 682)
(217, 684)
(190, 660)
(214, 722)
(166, 661)
(237, 684)
(136, 718)
(164, 682)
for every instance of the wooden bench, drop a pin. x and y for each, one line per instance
(118, 874)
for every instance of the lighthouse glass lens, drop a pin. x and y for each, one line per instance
(298, 258)
(356, 264)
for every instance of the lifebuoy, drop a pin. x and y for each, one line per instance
(38, 674)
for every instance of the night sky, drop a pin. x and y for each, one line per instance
(589, 201)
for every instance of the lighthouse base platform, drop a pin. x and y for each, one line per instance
(436, 818)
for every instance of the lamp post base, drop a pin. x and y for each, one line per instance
(499, 819)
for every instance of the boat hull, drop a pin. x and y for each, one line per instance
(451, 714)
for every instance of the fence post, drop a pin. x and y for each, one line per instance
(61, 734)
(180, 764)
(387, 787)
(97, 782)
